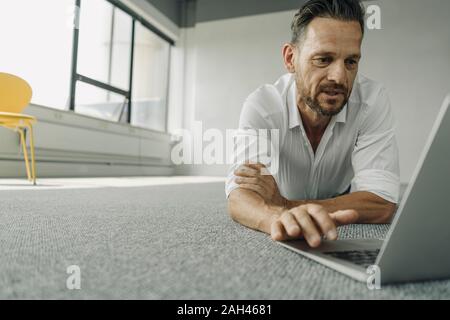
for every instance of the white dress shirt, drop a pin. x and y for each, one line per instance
(358, 151)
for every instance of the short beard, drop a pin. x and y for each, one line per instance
(314, 104)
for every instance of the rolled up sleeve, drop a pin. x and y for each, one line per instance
(247, 141)
(375, 158)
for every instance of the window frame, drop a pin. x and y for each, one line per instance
(127, 94)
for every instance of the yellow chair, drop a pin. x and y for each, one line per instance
(15, 95)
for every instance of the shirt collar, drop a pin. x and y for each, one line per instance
(294, 114)
(342, 116)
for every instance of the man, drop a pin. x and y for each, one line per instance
(338, 157)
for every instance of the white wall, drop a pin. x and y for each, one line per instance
(410, 55)
(228, 60)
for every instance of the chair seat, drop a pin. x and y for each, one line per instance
(9, 115)
(15, 96)
(7, 118)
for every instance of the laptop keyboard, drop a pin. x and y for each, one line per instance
(362, 258)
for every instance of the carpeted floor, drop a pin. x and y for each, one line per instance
(161, 242)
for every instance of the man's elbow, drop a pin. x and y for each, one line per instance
(382, 210)
(387, 212)
(232, 205)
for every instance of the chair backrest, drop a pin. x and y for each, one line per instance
(15, 93)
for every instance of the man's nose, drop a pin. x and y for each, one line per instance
(337, 73)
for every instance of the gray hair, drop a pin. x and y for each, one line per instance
(345, 10)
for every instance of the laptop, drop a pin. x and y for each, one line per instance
(417, 245)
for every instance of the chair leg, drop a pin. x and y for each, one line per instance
(33, 161)
(25, 152)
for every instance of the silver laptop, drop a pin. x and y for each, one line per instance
(417, 246)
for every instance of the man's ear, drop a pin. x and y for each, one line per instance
(289, 53)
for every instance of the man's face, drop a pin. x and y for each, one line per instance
(326, 63)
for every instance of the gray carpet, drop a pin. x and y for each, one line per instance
(165, 242)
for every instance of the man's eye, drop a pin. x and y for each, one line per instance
(352, 62)
(323, 61)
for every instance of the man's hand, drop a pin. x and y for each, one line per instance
(310, 221)
(250, 177)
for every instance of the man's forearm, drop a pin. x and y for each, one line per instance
(371, 208)
(249, 209)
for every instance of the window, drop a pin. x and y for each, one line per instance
(104, 55)
(113, 66)
(36, 39)
(123, 65)
(100, 103)
(150, 80)
(104, 46)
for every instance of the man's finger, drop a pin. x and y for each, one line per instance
(246, 171)
(254, 180)
(255, 165)
(308, 227)
(324, 221)
(277, 231)
(262, 169)
(290, 224)
(263, 189)
(343, 217)
(254, 187)
(247, 180)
